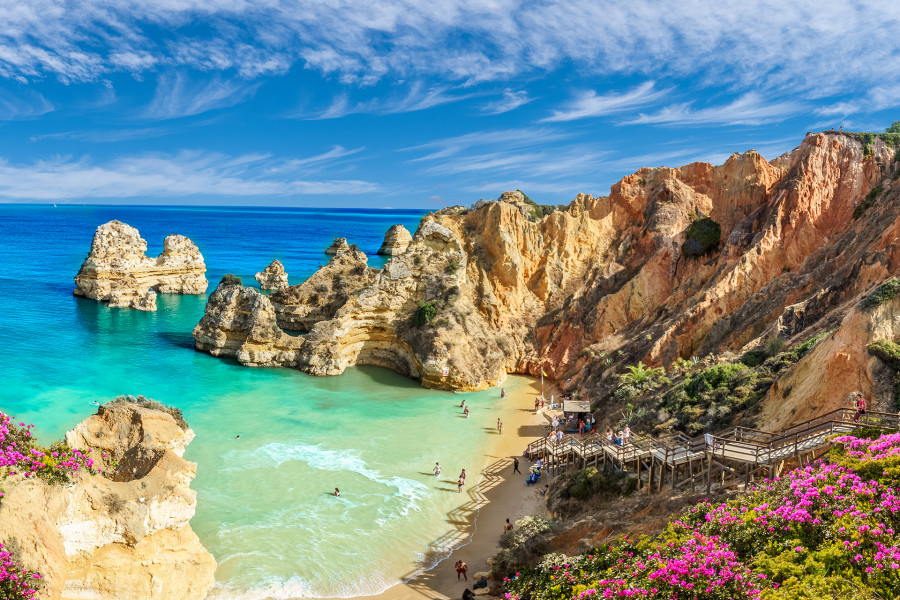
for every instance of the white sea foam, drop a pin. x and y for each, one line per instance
(295, 589)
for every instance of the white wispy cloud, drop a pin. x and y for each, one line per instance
(749, 109)
(106, 135)
(416, 97)
(166, 176)
(592, 104)
(791, 47)
(19, 107)
(510, 139)
(177, 95)
(511, 100)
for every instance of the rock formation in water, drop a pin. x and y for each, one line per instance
(272, 277)
(124, 533)
(674, 263)
(118, 271)
(337, 246)
(396, 241)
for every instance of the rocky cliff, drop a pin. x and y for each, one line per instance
(674, 263)
(337, 246)
(120, 534)
(396, 241)
(272, 277)
(118, 271)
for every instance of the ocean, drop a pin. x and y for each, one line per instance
(265, 506)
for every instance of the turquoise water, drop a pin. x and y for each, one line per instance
(264, 504)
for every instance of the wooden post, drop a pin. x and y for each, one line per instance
(709, 472)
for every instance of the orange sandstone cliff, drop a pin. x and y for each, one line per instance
(501, 288)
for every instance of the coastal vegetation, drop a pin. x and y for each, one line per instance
(16, 582)
(888, 290)
(425, 312)
(150, 403)
(702, 237)
(829, 528)
(702, 395)
(229, 279)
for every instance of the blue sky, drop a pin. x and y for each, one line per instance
(417, 104)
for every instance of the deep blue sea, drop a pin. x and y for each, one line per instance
(263, 505)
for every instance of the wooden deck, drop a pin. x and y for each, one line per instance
(677, 461)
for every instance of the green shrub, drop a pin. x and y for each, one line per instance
(807, 345)
(528, 539)
(867, 202)
(592, 482)
(451, 268)
(754, 358)
(884, 292)
(703, 237)
(424, 313)
(229, 279)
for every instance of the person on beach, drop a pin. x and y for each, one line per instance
(537, 403)
(545, 490)
(466, 412)
(459, 484)
(462, 476)
(499, 426)
(507, 527)
(516, 466)
(462, 404)
(461, 568)
(503, 392)
(542, 401)
(437, 469)
(337, 493)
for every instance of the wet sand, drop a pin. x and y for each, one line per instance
(475, 527)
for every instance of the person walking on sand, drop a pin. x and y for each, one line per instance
(462, 477)
(499, 426)
(437, 469)
(461, 568)
(507, 527)
(537, 403)
(459, 484)
(516, 466)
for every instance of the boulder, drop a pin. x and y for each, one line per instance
(396, 241)
(337, 246)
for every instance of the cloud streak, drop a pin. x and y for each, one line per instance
(590, 104)
(181, 175)
(749, 109)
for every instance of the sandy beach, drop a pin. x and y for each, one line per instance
(475, 528)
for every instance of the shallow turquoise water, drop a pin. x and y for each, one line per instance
(264, 508)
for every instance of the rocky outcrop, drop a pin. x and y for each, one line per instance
(337, 246)
(272, 277)
(396, 241)
(505, 287)
(118, 271)
(123, 534)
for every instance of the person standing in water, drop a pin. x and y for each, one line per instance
(466, 412)
(337, 493)
(437, 469)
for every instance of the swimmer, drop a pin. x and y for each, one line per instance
(337, 493)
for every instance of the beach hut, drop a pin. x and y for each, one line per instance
(575, 410)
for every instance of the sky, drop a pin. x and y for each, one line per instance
(418, 104)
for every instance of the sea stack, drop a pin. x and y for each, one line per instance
(339, 245)
(272, 277)
(119, 272)
(396, 241)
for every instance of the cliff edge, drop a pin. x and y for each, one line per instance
(121, 533)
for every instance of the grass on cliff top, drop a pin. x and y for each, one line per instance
(175, 413)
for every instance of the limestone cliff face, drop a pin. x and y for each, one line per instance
(396, 241)
(120, 535)
(515, 293)
(118, 271)
(272, 277)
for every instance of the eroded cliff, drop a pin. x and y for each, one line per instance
(119, 534)
(674, 263)
(118, 271)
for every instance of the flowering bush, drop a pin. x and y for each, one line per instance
(20, 455)
(831, 529)
(15, 582)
